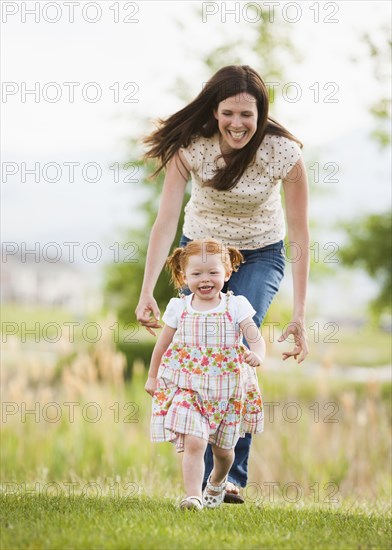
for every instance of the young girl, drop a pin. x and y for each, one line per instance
(202, 385)
(237, 156)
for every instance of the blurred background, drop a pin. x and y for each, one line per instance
(81, 86)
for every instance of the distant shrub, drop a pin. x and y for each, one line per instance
(140, 351)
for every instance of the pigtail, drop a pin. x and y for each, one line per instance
(236, 258)
(174, 265)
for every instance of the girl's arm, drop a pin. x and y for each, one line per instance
(256, 342)
(161, 238)
(160, 347)
(296, 205)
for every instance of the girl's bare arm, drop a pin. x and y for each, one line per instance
(160, 347)
(255, 341)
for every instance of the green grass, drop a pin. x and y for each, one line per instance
(352, 452)
(80, 522)
(347, 458)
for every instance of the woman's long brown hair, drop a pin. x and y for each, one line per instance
(197, 119)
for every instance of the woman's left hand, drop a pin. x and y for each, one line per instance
(297, 329)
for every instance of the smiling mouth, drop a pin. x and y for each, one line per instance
(237, 136)
(205, 288)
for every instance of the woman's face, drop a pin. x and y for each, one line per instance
(237, 121)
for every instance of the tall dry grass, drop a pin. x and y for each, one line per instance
(91, 425)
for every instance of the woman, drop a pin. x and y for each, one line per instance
(237, 156)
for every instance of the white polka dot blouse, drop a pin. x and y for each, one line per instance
(250, 215)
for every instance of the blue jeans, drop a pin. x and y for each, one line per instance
(257, 279)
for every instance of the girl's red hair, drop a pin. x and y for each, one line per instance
(177, 261)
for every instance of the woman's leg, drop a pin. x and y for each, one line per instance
(239, 471)
(257, 279)
(193, 464)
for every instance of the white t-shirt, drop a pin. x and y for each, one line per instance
(250, 215)
(239, 308)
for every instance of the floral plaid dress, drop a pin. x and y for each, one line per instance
(204, 386)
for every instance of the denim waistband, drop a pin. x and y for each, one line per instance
(274, 246)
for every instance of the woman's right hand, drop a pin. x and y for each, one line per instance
(147, 313)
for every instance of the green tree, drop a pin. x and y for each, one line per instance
(370, 248)
(380, 52)
(123, 280)
(369, 237)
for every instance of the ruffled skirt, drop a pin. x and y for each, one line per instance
(206, 392)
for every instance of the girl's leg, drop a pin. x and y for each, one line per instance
(223, 460)
(193, 464)
(214, 494)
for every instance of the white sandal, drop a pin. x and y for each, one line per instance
(191, 503)
(213, 495)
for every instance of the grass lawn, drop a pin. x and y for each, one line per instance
(80, 522)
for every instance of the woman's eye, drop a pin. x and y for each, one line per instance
(245, 115)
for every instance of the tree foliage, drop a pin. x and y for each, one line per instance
(380, 52)
(370, 248)
(123, 280)
(369, 245)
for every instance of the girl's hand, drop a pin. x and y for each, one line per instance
(151, 385)
(147, 313)
(297, 329)
(252, 359)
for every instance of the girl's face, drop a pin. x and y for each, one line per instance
(237, 121)
(205, 275)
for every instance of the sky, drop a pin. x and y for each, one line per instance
(99, 68)
(165, 41)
